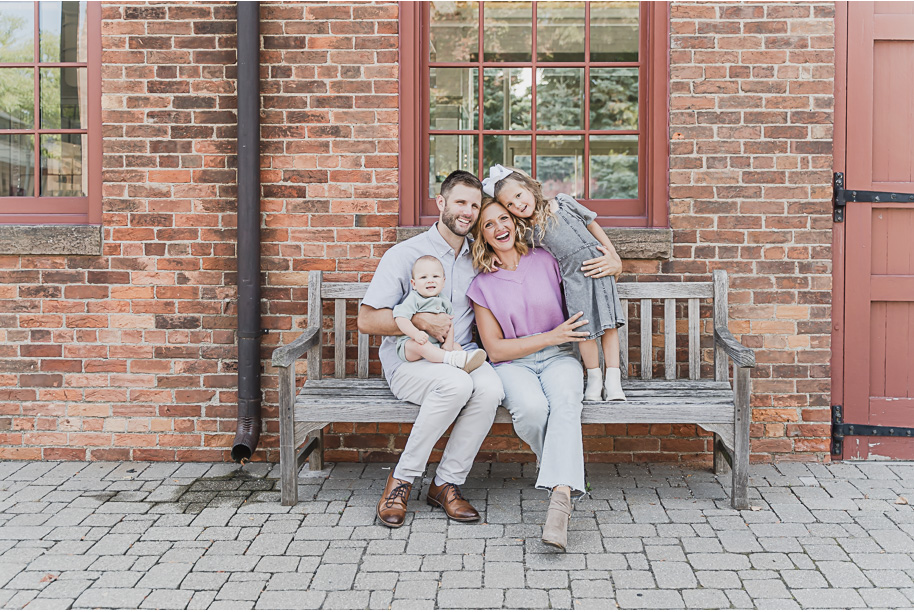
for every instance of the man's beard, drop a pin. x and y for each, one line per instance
(450, 221)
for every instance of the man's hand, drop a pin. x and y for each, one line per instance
(607, 265)
(435, 325)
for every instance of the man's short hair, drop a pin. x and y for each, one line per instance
(426, 259)
(459, 177)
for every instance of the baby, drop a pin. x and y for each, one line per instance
(427, 283)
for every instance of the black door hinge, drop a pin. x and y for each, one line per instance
(839, 429)
(842, 196)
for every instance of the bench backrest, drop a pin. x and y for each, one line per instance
(644, 292)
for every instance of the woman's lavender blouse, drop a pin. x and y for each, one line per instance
(525, 301)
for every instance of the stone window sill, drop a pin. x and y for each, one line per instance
(630, 242)
(50, 240)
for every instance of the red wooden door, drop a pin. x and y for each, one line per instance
(879, 237)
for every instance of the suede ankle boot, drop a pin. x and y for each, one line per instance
(555, 531)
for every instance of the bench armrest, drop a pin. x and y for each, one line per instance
(741, 356)
(284, 356)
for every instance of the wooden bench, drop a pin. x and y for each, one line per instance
(715, 404)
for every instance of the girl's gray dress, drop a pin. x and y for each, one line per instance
(571, 243)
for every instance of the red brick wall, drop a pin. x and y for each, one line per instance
(330, 173)
(752, 96)
(131, 355)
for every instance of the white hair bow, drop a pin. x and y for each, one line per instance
(496, 173)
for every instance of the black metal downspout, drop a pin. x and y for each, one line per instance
(249, 331)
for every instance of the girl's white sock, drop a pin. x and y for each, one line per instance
(593, 392)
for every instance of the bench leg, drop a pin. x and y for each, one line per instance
(288, 463)
(316, 459)
(739, 497)
(721, 465)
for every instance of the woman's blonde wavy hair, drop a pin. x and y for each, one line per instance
(542, 216)
(483, 255)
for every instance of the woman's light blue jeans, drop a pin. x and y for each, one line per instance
(544, 394)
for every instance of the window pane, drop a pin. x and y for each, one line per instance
(452, 103)
(62, 31)
(507, 93)
(62, 162)
(614, 31)
(454, 32)
(63, 98)
(447, 153)
(511, 151)
(614, 98)
(17, 160)
(560, 165)
(614, 167)
(560, 98)
(17, 98)
(17, 33)
(560, 31)
(507, 31)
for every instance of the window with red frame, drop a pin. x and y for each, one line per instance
(574, 93)
(50, 112)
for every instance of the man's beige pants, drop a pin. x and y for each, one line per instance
(446, 395)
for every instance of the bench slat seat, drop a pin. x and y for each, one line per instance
(719, 405)
(371, 403)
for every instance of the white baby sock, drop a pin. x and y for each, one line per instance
(455, 358)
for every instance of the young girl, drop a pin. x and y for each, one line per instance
(570, 232)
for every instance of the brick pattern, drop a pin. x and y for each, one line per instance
(752, 97)
(329, 166)
(656, 552)
(131, 355)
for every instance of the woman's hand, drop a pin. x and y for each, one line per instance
(566, 331)
(607, 265)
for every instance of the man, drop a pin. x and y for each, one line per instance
(445, 394)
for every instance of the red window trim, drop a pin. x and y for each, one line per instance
(654, 178)
(70, 210)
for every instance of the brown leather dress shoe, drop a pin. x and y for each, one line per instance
(392, 507)
(455, 506)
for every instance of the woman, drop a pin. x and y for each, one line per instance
(520, 315)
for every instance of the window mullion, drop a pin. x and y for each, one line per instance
(36, 119)
(424, 107)
(533, 125)
(479, 91)
(585, 192)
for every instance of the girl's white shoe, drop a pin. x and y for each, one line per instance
(614, 385)
(593, 392)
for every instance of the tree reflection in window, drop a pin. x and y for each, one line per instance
(58, 59)
(550, 103)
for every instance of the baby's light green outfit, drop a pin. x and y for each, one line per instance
(416, 303)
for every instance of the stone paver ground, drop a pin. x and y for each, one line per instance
(194, 536)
